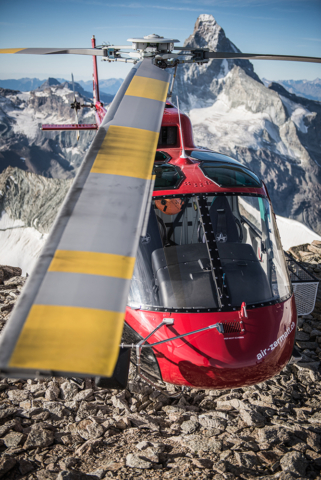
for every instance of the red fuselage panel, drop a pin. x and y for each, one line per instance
(214, 360)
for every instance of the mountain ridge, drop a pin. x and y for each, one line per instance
(310, 89)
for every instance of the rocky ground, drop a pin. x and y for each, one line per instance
(69, 429)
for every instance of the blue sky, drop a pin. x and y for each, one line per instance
(289, 27)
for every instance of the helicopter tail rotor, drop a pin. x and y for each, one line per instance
(75, 105)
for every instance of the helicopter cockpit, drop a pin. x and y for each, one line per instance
(197, 247)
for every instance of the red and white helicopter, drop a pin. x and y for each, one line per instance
(173, 246)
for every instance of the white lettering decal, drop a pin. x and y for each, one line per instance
(277, 342)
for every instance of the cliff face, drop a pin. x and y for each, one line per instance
(30, 198)
(277, 134)
(29, 204)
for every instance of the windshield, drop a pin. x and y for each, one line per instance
(209, 252)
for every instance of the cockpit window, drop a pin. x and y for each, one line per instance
(175, 266)
(167, 177)
(161, 157)
(230, 175)
(209, 156)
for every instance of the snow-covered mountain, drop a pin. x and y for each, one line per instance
(24, 145)
(36, 168)
(277, 134)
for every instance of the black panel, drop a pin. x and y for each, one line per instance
(120, 376)
(236, 251)
(175, 254)
(162, 157)
(223, 221)
(210, 238)
(167, 136)
(148, 359)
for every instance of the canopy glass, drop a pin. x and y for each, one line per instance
(182, 265)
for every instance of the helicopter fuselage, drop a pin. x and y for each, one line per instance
(228, 271)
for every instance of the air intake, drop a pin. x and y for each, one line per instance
(233, 328)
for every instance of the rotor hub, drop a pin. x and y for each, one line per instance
(153, 44)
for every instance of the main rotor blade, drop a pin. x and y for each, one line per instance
(52, 51)
(69, 318)
(258, 56)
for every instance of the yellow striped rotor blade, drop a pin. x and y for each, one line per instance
(70, 316)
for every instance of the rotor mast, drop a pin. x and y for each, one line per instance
(95, 73)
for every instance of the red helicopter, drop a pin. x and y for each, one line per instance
(179, 241)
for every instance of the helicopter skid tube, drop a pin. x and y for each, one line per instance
(212, 360)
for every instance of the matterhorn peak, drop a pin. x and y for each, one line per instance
(205, 17)
(208, 21)
(207, 33)
(200, 84)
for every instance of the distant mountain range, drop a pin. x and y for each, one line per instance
(310, 89)
(109, 86)
(104, 97)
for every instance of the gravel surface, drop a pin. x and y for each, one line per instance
(60, 429)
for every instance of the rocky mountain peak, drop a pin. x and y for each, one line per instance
(195, 82)
(49, 83)
(208, 33)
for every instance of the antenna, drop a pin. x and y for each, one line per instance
(172, 84)
(183, 155)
